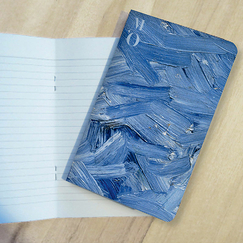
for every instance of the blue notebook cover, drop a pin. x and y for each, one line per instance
(152, 114)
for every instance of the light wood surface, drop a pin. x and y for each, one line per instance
(212, 207)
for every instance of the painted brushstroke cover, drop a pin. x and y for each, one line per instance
(152, 114)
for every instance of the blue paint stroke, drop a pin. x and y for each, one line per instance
(152, 115)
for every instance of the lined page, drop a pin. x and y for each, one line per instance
(27, 128)
(80, 66)
(47, 87)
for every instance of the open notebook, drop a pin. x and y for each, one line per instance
(46, 89)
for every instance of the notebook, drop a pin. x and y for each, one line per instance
(46, 89)
(152, 114)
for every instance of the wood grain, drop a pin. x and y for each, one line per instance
(212, 207)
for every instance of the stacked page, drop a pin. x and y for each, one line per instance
(46, 89)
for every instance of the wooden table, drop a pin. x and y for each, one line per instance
(212, 207)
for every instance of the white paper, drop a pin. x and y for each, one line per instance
(47, 88)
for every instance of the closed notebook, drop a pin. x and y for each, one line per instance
(152, 114)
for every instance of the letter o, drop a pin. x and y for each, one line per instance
(129, 37)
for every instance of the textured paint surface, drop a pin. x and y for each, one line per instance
(152, 115)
